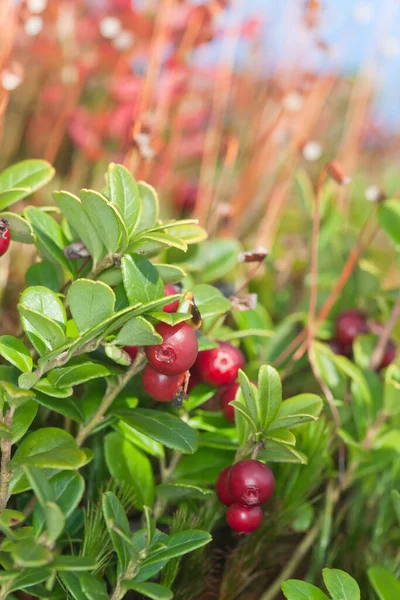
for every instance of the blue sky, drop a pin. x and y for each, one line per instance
(360, 33)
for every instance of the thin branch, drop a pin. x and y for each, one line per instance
(384, 337)
(5, 473)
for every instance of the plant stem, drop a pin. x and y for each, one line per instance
(307, 542)
(384, 337)
(166, 474)
(5, 473)
(109, 397)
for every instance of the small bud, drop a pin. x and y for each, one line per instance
(76, 250)
(256, 255)
(312, 151)
(335, 170)
(118, 355)
(244, 302)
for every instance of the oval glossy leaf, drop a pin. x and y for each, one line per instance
(44, 333)
(124, 192)
(106, 220)
(178, 491)
(44, 274)
(386, 586)
(21, 229)
(210, 301)
(73, 563)
(296, 411)
(277, 452)
(162, 427)
(29, 577)
(68, 407)
(90, 302)
(178, 544)
(93, 587)
(16, 353)
(190, 233)
(138, 332)
(150, 206)
(389, 219)
(27, 175)
(155, 591)
(72, 208)
(77, 374)
(44, 301)
(49, 447)
(115, 517)
(68, 488)
(128, 465)
(170, 273)
(341, 585)
(269, 394)
(71, 582)
(141, 279)
(143, 442)
(300, 590)
(26, 553)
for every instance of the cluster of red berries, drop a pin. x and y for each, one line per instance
(350, 324)
(244, 487)
(219, 367)
(5, 236)
(164, 375)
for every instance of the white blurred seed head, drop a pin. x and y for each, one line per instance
(10, 80)
(36, 6)
(373, 193)
(312, 151)
(124, 40)
(33, 25)
(293, 102)
(363, 13)
(110, 27)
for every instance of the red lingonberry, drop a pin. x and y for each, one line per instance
(350, 324)
(5, 236)
(161, 387)
(178, 350)
(221, 487)
(341, 349)
(244, 519)
(251, 482)
(220, 366)
(170, 290)
(225, 396)
(389, 355)
(132, 351)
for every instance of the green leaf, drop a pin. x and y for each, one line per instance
(45, 387)
(143, 442)
(21, 229)
(67, 488)
(340, 585)
(170, 273)
(384, 583)
(202, 467)
(277, 452)
(138, 332)
(49, 447)
(249, 395)
(72, 583)
(191, 233)
(269, 395)
(47, 303)
(179, 543)
(27, 553)
(16, 353)
(128, 465)
(15, 395)
(162, 427)
(179, 491)
(74, 563)
(28, 176)
(77, 374)
(42, 489)
(389, 219)
(54, 521)
(282, 435)
(90, 302)
(29, 577)
(300, 590)
(296, 411)
(164, 239)
(93, 587)
(171, 318)
(150, 207)
(5, 432)
(44, 333)
(155, 591)
(10, 517)
(396, 503)
(124, 192)
(68, 407)
(241, 408)
(216, 258)
(43, 274)
(106, 220)
(114, 516)
(210, 301)
(78, 219)
(142, 281)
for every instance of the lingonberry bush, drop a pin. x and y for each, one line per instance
(100, 438)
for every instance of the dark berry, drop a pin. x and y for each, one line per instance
(225, 396)
(341, 349)
(161, 387)
(178, 350)
(132, 351)
(389, 355)
(244, 519)
(349, 325)
(251, 482)
(222, 489)
(220, 366)
(5, 236)
(170, 290)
